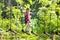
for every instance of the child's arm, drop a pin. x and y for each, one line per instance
(21, 10)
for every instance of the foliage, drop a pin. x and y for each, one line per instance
(45, 16)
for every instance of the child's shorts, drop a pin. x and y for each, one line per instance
(26, 20)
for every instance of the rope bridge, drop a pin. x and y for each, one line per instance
(13, 33)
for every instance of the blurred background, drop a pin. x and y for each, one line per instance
(45, 19)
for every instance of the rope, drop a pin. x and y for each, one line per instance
(17, 17)
(57, 23)
(2, 17)
(10, 12)
(50, 24)
(44, 22)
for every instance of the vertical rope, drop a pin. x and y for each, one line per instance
(2, 17)
(17, 17)
(2, 26)
(57, 23)
(44, 22)
(50, 24)
(31, 21)
(32, 27)
(10, 12)
(9, 4)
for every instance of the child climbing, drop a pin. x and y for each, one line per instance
(27, 21)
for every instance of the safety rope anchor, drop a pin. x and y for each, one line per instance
(12, 31)
(47, 34)
(34, 33)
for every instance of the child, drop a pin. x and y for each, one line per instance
(27, 21)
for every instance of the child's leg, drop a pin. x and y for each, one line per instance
(27, 26)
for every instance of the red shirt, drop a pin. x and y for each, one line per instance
(27, 15)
